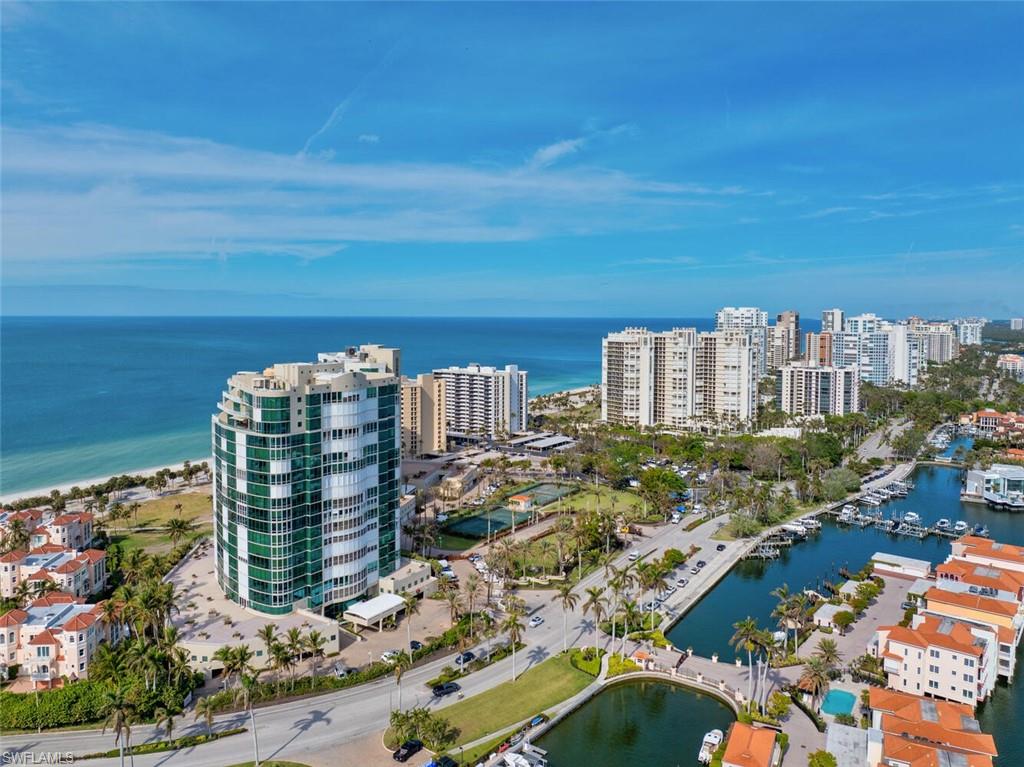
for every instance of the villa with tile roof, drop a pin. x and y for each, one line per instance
(54, 637)
(81, 574)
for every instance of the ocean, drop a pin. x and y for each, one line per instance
(84, 397)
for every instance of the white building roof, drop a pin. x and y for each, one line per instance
(896, 559)
(828, 611)
(376, 609)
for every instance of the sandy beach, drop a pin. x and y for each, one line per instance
(65, 486)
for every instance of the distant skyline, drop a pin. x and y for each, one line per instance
(608, 160)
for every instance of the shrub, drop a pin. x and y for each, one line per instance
(586, 660)
(847, 719)
(617, 665)
(673, 557)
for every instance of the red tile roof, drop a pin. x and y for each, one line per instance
(749, 746)
(43, 637)
(13, 617)
(13, 556)
(971, 601)
(959, 638)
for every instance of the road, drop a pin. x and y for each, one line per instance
(291, 729)
(874, 446)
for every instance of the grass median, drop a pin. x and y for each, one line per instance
(538, 689)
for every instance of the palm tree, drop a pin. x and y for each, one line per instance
(295, 644)
(783, 608)
(16, 536)
(281, 660)
(165, 718)
(250, 680)
(315, 643)
(745, 637)
(472, 591)
(402, 662)
(451, 596)
(828, 652)
(179, 528)
(814, 678)
(119, 713)
(513, 626)
(412, 607)
(204, 709)
(268, 634)
(569, 599)
(595, 604)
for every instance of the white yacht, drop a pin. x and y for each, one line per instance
(912, 517)
(810, 523)
(961, 527)
(943, 524)
(712, 740)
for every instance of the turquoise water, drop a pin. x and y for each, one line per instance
(964, 442)
(653, 724)
(92, 396)
(838, 702)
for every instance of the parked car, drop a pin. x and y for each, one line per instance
(388, 656)
(415, 645)
(537, 720)
(446, 761)
(407, 750)
(720, 547)
(701, 563)
(652, 605)
(447, 688)
(464, 658)
(670, 589)
(343, 671)
(907, 605)
(681, 582)
(535, 621)
(694, 570)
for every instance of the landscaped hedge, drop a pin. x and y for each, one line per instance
(156, 747)
(78, 703)
(797, 699)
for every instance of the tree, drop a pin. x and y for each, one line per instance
(400, 664)
(513, 627)
(295, 643)
(568, 599)
(778, 705)
(595, 605)
(165, 718)
(843, 620)
(250, 680)
(829, 653)
(204, 710)
(745, 637)
(412, 607)
(179, 528)
(472, 592)
(119, 716)
(821, 758)
(814, 678)
(315, 644)
(268, 634)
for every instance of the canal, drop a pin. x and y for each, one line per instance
(657, 724)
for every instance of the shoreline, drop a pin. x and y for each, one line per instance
(66, 486)
(151, 470)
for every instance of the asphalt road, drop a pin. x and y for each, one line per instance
(290, 729)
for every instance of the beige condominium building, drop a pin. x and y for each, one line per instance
(648, 377)
(424, 427)
(809, 389)
(678, 378)
(784, 339)
(486, 401)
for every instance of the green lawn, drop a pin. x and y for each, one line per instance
(195, 507)
(270, 764)
(587, 500)
(538, 689)
(449, 542)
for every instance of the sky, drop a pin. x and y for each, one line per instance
(512, 159)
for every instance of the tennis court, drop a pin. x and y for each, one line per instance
(546, 492)
(477, 525)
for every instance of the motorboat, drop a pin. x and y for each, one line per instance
(943, 524)
(980, 530)
(849, 509)
(712, 740)
(961, 527)
(809, 523)
(795, 529)
(912, 517)
(847, 514)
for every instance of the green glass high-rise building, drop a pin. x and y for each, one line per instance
(307, 480)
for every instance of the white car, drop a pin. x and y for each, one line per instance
(634, 556)
(388, 656)
(535, 621)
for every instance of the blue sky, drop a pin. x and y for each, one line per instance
(529, 159)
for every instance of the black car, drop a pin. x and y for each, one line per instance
(466, 657)
(701, 563)
(415, 645)
(440, 690)
(406, 750)
(720, 547)
(446, 761)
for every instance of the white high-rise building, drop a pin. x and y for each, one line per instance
(1017, 323)
(937, 341)
(906, 357)
(832, 321)
(752, 320)
(483, 400)
(726, 376)
(863, 323)
(648, 378)
(808, 389)
(969, 331)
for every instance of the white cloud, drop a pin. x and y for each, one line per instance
(551, 153)
(368, 138)
(98, 192)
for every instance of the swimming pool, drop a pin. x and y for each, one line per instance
(838, 702)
